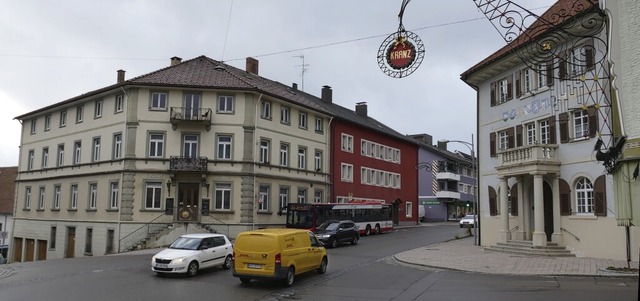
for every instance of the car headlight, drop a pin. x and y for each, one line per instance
(325, 236)
(178, 260)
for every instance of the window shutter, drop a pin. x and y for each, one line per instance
(493, 94)
(518, 135)
(518, 87)
(565, 197)
(552, 129)
(562, 67)
(564, 127)
(589, 54)
(593, 121)
(550, 73)
(492, 144)
(510, 87)
(493, 203)
(514, 200)
(510, 137)
(600, 195)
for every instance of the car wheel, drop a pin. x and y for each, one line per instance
(323, 266)
(291, 276)
(227, 262)
(367, 230)
(245, 280)
(192, 269)
(378, 229)
(354, 241)
(333, 242)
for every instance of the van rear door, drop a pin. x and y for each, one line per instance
(255, 254)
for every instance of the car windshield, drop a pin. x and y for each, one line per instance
(185, 243)
(329, 226)
(468, 217)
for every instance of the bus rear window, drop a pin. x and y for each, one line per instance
(300, 219)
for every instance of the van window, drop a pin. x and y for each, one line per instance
(256, 242)
(314, 240)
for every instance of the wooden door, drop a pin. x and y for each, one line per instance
(42, 250)
(548, 210)
(71, 242)
(17, 245)
(188, 201)
(31, 246)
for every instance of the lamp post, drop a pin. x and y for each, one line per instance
(476, 221)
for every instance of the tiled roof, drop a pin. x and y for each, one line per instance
(557, 14)
(7, 188)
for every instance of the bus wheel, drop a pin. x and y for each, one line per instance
(378, 229)
(367, 230)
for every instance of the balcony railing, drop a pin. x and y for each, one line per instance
(190, 115)
(448, 194)
(530, 154)
(187, 164)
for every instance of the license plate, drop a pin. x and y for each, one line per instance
(161, 265)
(254, 266)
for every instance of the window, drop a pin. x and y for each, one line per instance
(30, 159)
(504, 140)
(527, 80)
(263, 198)
(156, 145)
(581, 124)
(302, 120)
(347, 143)
(319, 125)
(79, 113)
(113, 193)
(41, 199)
(47, 123)
(73, 202)
(577, 60)
(545, 132)
(60, 160)
(52, 238)
(223, 197)
(224, 147)
(542, 77)
(117, 146)
(96, 150)
(33, 126)
(27, 198)
(88, 241)
(284, 154)
(346, 174)
(584, 196)
(119, 106)
(45, 157)
(302, 158)
(93, 196)
(225, 104)
(265, 110)
(317, 196)
(283, 198)
(302, 195)
(98, 109)
(110, 241)
(190, 146)
(264, 151)
(77, 151)
(63, 119)
(317, 159)
(153, 195)
(409, 209)
(192, 106)
(285, 117)
(158, 101)
(531, 133)
(56, 197)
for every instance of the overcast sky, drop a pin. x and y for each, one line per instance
(55, 50)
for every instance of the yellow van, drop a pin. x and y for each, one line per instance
(277, 254)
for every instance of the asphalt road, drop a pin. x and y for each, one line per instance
(366, 271)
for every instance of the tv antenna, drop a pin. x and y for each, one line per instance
(304, 68)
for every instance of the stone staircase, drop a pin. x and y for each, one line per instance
(525, 247)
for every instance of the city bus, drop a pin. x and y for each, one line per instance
(370, 217)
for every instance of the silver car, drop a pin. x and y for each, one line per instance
(192, 252)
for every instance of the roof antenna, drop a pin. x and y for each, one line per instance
(304, 68)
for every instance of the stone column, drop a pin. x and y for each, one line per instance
(557, 236)
(520, 234)
(505, 235)
(526, 210)
(539, 236)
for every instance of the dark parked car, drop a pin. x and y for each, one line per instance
(334, 232)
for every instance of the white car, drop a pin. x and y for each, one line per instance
(468, 221)
(192, 252)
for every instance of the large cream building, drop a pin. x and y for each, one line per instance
(196, 146)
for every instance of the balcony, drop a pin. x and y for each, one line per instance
(448, 176)
(528, 159)
(448, 194)
(182, 115)
(188, 164)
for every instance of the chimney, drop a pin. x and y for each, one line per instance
(426, 138)
(294, 87)
(361, 109)
(120, 76)
(442, 145)
(327, 94)
(252, 65)
(175, 60)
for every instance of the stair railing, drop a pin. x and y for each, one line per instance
(574, 236)
(141, 233)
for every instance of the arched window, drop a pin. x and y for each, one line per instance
(584, 196)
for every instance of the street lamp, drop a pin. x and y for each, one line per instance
(476, 221)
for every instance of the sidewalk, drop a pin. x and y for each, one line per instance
(463, 255)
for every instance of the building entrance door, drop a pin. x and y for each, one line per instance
(71, 242)
(188, 201)
(548, 210)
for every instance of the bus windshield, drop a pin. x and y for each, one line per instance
(302, 219)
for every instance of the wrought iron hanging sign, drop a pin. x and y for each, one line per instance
(402, 52)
